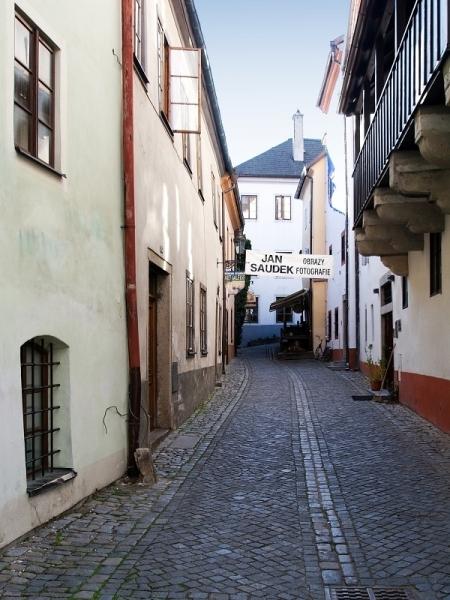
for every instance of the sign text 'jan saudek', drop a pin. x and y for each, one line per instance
(279, 264)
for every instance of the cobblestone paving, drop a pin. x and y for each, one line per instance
(278, 487)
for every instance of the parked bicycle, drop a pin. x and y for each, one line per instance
(323, 351)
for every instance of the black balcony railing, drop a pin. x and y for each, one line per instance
(418, 58)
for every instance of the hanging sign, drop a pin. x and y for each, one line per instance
(279, 264)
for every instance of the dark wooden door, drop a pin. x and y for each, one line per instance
(388, 345)
(152, 359)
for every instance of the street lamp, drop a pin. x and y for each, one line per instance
(239, 243)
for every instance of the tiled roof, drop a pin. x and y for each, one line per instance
(278, 161)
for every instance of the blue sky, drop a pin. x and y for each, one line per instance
(268, 59)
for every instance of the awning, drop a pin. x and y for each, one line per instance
(294, 301)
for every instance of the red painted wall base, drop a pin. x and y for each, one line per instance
(427, 396)
(339, 355)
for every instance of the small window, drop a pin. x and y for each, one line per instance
(214, 199)
(140, 45)
(386, 293)
(435, 263)
(283, 208)
(283, 315)
(203, 322)
(163, 71)
(220, 208)
(343, 249)
(249, 207)
(219, 331)
(187, 158)
(330, 325)
(199, 166)
(190, 317)
(405, 292)
(336, 323)
(34, 92)
(330, 250)
(251, 311)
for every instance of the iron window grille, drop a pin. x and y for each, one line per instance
(249, 207)
(34, 98)
(190, 323)
(435, 263)
(38, 386)
(203, 322)
(283, 208)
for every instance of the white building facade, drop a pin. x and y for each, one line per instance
(63, 354)
(274, 222)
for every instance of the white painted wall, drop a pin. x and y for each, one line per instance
(61, 258)
(266, 233)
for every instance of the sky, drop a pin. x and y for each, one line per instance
(268, 59)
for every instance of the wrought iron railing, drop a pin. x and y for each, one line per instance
(419, 55)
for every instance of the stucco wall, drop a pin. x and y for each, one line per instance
(266, 233)
(61, 258)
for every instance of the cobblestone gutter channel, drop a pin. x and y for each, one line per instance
(280, 487)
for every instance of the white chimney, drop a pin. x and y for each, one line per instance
(298, 147)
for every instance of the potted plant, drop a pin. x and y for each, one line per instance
(376, 370)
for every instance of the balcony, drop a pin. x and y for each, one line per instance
(419, 62)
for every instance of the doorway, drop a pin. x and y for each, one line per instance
(387, 333)
(152, 374)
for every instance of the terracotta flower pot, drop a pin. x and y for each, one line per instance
(375, 386)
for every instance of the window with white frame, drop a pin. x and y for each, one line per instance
(249, 206)
(283, 208)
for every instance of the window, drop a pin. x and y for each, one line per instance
(330, 325)
(282, 208)
(330, 250)
(249, 207)
(47, 444)
(203, 322)
(199, 167)
(219, 332)
(386, 293)
(283, 314)
(336, 323)
(343, 249)
(186, 140)
(163, 71)
(190, 316)
(34, 98)
(140, 46)
(214, 200)
(251, 311)
(435, 264)
(404, 292)
(220, 207)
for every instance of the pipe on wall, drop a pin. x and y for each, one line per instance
(134, 363)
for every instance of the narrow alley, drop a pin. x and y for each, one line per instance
(281, 486)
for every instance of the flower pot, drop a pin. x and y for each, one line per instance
(375, 385)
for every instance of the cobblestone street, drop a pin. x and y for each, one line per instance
(279, 487)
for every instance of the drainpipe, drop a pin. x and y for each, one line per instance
(311, 294)
(347, 298)
(224, 293)
(134, 363)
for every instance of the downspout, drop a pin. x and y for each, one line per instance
(134, 363)
(311, 294)
(347, 298)
(224, 293)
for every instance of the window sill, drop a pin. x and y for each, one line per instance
(190, 354)
(204, 352)
(56, 478)
(166, 124)
(39, 162)
(140, 72)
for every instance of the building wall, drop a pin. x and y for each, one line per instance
(266, 233)
(177, 225)
(61, 255)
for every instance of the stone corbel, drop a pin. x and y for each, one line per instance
(399, 264)
(398, 237)
(432, 134)
(418, 214)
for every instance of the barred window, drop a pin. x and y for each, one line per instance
(34, 81)
(190, 318)
(203, 322)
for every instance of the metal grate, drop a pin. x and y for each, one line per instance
(354, 593)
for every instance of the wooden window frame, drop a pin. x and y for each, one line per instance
(200, 167)
(203, 321)
(280, 208)
(214, 200)
(190, 316)
(187, 154)
(37, 37)
(163, 73)
(140, 39)
(249, 217)
(435, 264)
(282, 313)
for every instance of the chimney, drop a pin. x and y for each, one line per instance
(298, 148)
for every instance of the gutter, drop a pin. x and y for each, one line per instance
(134, 361)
